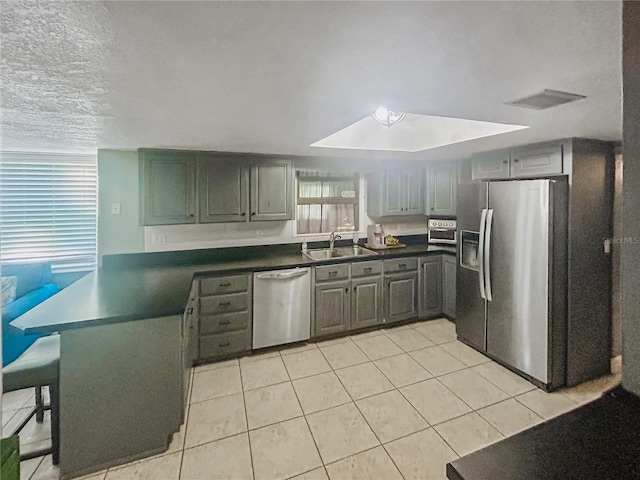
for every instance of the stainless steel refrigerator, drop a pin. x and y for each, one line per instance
(511, 274)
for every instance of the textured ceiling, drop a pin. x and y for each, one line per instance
(275, 77)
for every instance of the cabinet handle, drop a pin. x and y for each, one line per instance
(242, 214)
(367, 269)
(226, 322)
(253, 213)
(192, 215)
(224, 344)
(347, 289)
(190, 310)
(431, 208)
(224, 304)
(402, 266)
(225, 284)
(333, 274)
(515, 160)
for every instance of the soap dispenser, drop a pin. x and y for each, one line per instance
(304, 245)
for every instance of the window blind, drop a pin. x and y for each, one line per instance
(48, 210)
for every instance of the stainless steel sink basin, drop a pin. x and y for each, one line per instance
(327, 253)
(354, 252)
(322, 253)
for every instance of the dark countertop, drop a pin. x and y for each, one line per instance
(600, 440)
(129, 287)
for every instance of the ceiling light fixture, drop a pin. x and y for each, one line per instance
(387, 117)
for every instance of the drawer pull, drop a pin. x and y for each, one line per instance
(402, 266)
(224, 304)
(228, 284)
(367, 269)
(222, 345)
(226, 322)
(333, 273)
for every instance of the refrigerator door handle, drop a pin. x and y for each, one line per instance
(486, 255)
(481, 276)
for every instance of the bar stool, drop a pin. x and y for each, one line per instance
(38, 367)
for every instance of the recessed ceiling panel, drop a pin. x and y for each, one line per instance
(413, 134)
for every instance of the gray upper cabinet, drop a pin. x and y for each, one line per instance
(366, 302)
(271, 190)
(540, 160)
(223, 187)
(489, 165)
(536, 162)
(430, 286)
(168, 187)
(395, 192)
(332, 307)
(449, 265)
(442, 189)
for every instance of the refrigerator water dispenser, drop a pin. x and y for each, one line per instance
(469, 250)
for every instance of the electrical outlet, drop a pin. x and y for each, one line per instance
(259, 233)
(159, 239)
(115, 209)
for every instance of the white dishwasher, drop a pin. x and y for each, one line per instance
(281, 307)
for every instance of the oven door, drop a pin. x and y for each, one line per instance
(442, 235)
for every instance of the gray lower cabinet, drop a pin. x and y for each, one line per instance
(430, 286)
(366, 302)
(332, 307)
(400, 289)
(442, 187)
(449, 265)
(224, 315)
(167, 187)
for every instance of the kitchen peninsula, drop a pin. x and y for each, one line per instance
(124, 346)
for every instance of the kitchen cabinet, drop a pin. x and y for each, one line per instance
(430, 286)
(223, 190)
(536, 162)
(332, 307)
(400, 289)
(442, 186)
(395, 192)
(347, 296)
(541, 160)
(168, 187)
(490, 165)
(271, 190)
(449, 265)
(224, 319)
(228, 188)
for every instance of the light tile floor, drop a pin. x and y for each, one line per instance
(390, 404)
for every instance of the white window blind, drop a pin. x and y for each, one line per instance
(48, 210)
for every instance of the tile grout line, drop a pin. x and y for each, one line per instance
(246, 419)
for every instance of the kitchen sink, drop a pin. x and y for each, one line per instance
(322, 253)
(354, 252)
(327, 253)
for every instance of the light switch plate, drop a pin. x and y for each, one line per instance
(115, 209)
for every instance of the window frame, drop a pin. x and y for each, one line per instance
(356, 200)
(49, 210)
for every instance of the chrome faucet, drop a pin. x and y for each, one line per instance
(332, 239)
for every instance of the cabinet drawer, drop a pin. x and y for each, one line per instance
(332, 272)
(224, 323)
(224, 344)
(220, 285)
(217, 304)
(400, 264)
(362, 269)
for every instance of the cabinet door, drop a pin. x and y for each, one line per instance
(490, 165)
(168, 187)
(441, 189)
(414, 197)
(366, 302)
(401, 300)
(393, 193)
(430, 286)
(332, 307)
(449, 265)
(271, 190)
(223, 191)
(537, 162)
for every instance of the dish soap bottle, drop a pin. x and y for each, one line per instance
(304, 245)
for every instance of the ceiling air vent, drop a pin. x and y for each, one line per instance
(546, 99)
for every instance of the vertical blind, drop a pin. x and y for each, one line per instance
(48, 210)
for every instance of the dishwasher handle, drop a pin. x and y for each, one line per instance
(281, 276)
